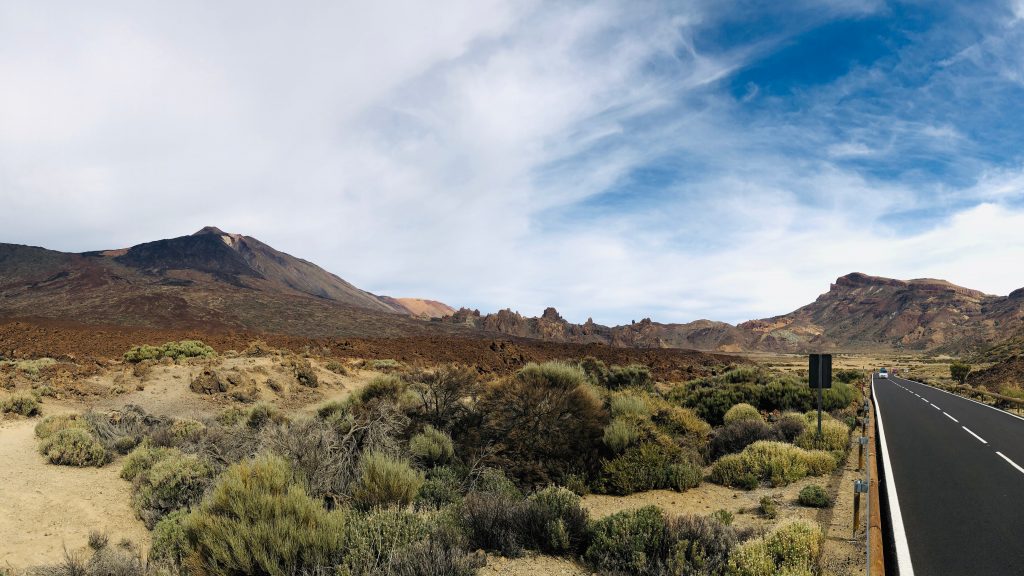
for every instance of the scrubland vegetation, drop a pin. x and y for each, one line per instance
(419, 470)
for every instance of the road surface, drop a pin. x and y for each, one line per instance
(958, 471)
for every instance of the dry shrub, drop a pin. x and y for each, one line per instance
(209, 382)
(442, 393)
(791, 548)
(777, 463)
(742, 411)
(699, 545)
(736, 436)
(304, 372)
(172, 480)
(621, 433)
(835, 435)
(385, 481)
(650, 466)
(73, 447)
(432, 447)
(22, 404)
(543, 423)
(554, 522)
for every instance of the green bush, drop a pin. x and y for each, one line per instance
(494, 480)
(629, 405)
(554, 522)
(684, 475)
(647, 466)
(835, 435)
(442, 487)
(386, 387)
(768, 507)
(22, 404)
(621, 433)
(73, 447)
(630, 542)
(175, 350)
(740, 412)
(169, 544)
(814, 496)
(174, 480)
(595, 370)
(777, 463)
(790, 548)
(432, 447)
(262, 414)
(51, 424)
(681, 422)
(839, 396)
(375, 540)
(386, 481)
(632, 376)
(736, 436)
(142, 459)
(258, 521)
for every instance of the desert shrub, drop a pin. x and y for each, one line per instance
(741, 412)
(554, 522)
(258, 521)
(262, 414)
(332, 409)
(681, 422)
(432, 446)
(494, 480)
(304, 372)
(848, 376)
(22, 404)
(442, 487)
(436, 555)
(141, 459)
(621, 433)
(543, 423)
(839, 396)
(649, 466)
(143, 352)
(385, 387)
(790, 548)
(835, 435)
(98, 540)
(775, 462)
(124, 559)
(736, 436)
(169, 544)
(492, 521)
(376, 539)
(441, 393)
(336, 367)
(712, 397)
(595, 370)
(699, 546)
(126, 444)
(629, 405)
(174, 480)
(768, 508)
(629, 542)
(51, 424)
(631, 376)
(814, 496)
(386, 481)
(173, 350)
(385, 365)
(73, 447)
(789, 427)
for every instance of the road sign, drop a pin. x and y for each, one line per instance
(819, 370)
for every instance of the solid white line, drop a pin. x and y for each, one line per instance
(975, 435)
(934, 406)
(899, 534)
(1012, 463)
(951, 418)
(964, 398)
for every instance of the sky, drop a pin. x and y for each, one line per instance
(722, 159)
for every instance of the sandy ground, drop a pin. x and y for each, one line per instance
(47, 508)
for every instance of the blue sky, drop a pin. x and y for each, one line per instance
(616, 160)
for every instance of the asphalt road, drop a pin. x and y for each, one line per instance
(958, 471)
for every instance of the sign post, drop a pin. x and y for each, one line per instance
(819, 374)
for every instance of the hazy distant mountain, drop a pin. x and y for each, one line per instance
(210, 279)
(858, 313)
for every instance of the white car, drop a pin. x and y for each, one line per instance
(883, 373)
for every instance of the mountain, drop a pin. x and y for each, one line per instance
(858, 313)
(210, 279)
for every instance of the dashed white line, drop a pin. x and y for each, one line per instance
(951, 418)
(934, 406)
(1012, 463)
(980, 439)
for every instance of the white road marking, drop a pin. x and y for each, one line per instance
(899, 534)
(1012, 463)
(934, 406)
(969, 400)
(982, 440)
(951, 418)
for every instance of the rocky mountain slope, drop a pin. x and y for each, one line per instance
(210, 280)
(858, 313)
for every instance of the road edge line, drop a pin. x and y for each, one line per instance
(904, 566)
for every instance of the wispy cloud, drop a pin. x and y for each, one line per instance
(614, 159)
